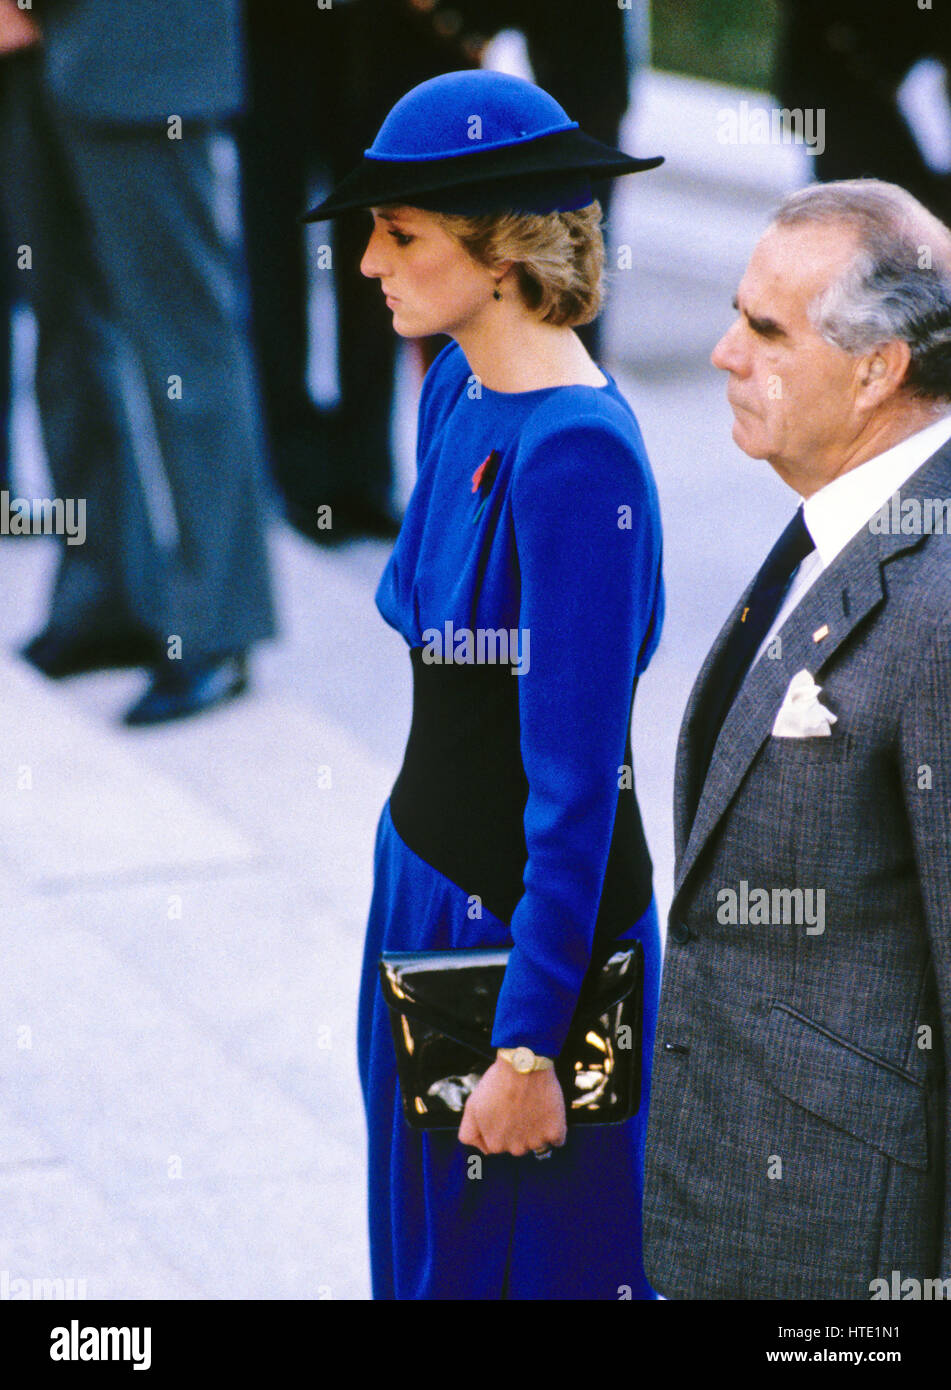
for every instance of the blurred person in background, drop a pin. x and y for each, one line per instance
(849, 59)
(118, 180)
(6, 366)
(321, 82)
(18, 34)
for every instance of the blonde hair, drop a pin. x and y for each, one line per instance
(559, 257)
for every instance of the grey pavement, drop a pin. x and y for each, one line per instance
(183, 908)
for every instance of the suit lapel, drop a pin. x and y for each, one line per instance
(841, 598)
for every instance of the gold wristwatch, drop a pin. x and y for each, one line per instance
(524, 1060)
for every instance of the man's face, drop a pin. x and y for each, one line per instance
(793, 394)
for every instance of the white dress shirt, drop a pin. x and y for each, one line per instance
(838, 511)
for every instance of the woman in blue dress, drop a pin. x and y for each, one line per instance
(526, 580)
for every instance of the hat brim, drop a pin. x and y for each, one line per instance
(375, 182)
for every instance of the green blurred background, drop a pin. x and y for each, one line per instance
(726, 40)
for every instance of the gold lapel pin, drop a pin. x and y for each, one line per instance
(820, 632)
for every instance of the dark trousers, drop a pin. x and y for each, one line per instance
(144, 378)
(308, 118)
(848, 58)
(6, 367)
(7, 274)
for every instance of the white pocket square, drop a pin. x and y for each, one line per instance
(801, 714)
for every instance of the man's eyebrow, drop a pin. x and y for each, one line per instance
(767, 328)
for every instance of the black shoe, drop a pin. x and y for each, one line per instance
(56, 658)
(176, 694)
(357, 517)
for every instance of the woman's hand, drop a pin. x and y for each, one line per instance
(514, 1114)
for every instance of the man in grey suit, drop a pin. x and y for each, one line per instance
(125, 225)
(799, 1138)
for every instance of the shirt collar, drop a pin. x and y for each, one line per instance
(839, 510)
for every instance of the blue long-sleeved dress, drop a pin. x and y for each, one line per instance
(513, 822)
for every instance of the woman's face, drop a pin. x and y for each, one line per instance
(431, 283)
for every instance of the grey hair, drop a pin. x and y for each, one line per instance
(885, 292)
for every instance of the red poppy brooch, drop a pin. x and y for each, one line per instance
(483, 478)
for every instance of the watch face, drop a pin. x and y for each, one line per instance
(523, 1059)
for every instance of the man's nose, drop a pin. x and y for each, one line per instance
(727, 355)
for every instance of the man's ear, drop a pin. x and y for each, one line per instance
(881, 372)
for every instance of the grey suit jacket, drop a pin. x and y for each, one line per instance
(144, 60)
(799, 1144)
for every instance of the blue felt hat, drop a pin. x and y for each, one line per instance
(475, 142)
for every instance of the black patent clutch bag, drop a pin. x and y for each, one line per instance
(442, 1006)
